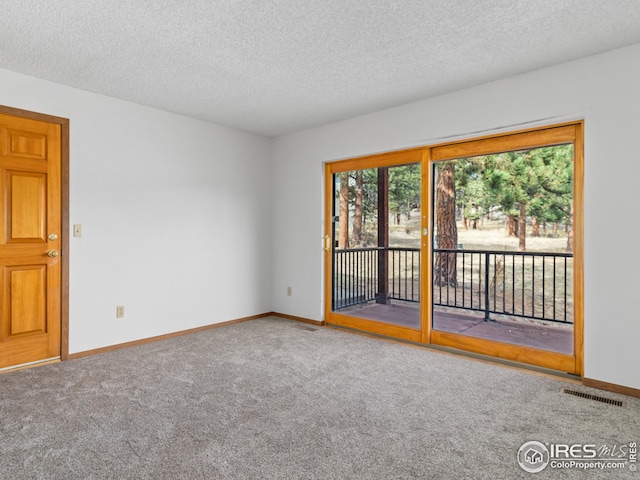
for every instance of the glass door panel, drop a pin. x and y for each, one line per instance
(375, 245)
(502, 248)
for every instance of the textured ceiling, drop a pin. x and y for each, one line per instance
(277, 66)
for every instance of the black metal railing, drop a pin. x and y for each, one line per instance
(404, 274)
(520, 284)
(356, 279)
(355, 276)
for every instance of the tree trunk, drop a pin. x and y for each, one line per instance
(522, 228)
(512, 226)
(343, 224)
(535, 227)
(465, 219)
(570, 231)
(447, 230)
(358, 211)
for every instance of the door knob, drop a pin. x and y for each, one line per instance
(52, 237)
(52, 253)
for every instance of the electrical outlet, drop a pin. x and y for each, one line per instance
(289, 291)
(120, 311)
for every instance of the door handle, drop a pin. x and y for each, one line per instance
(327, 243)
(52, 253)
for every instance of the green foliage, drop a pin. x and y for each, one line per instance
(541, 179)
(472, 191)
(404, 188)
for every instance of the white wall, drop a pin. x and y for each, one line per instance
(175, 216)
(604, 90)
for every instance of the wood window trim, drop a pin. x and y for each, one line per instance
(520, 140)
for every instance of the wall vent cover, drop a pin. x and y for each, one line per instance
(589, 396)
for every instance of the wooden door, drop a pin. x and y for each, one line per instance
(30, 241)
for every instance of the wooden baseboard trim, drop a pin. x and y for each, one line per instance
(110, 348)
(611, 387)
(297, 319)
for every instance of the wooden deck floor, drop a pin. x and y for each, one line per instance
(554, 338)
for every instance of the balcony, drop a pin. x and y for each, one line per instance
(524, 298)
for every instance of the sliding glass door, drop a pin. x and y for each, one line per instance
(506, 249)
(473, 245)
(374, 245)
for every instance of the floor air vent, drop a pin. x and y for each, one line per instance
(304, 327)
(588, 396)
